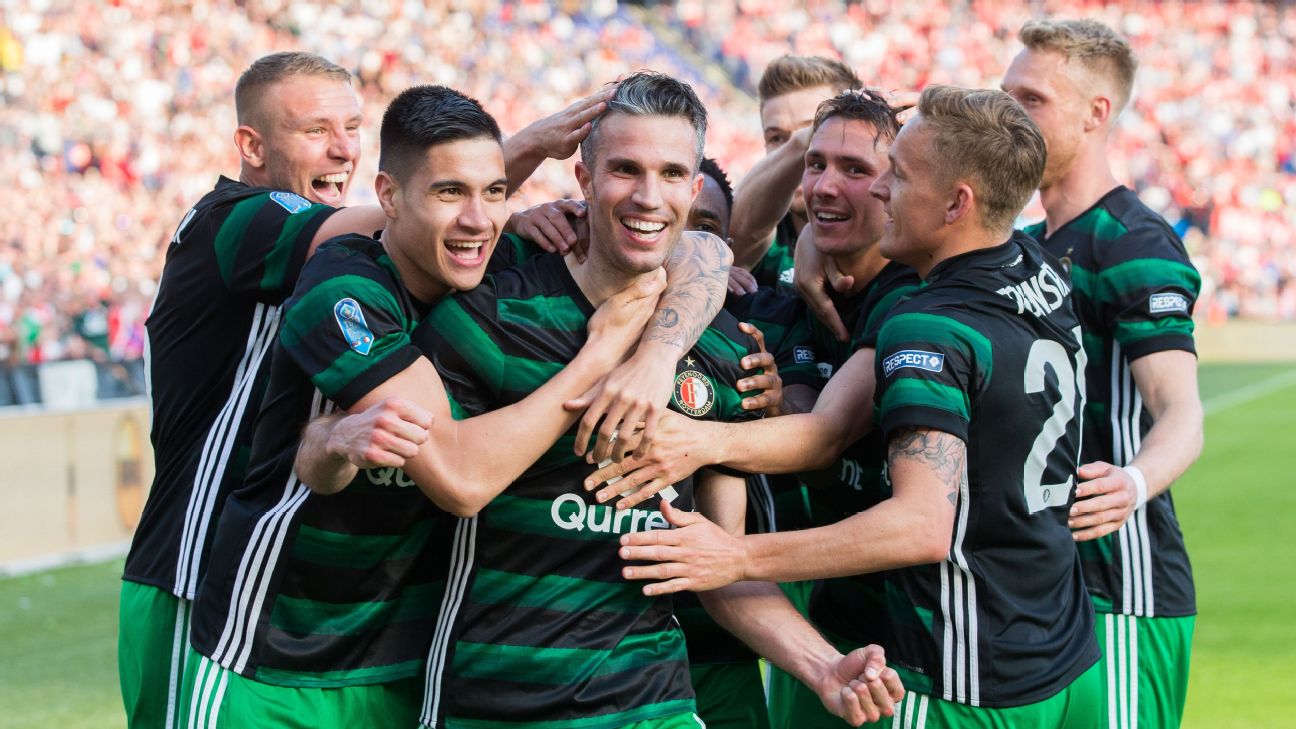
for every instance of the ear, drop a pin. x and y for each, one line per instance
(250, 145)
(585, 179)
(960, 204)
(1099, 113)
(697, 184)
(386, 188)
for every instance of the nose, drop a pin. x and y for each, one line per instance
(827, 184)
(647, 193)
(881, 187)
(474, 217)
(345, 146)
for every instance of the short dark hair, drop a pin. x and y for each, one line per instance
(984, 137)
(864, 105)
(711, 168)
(272, 69)
(789, 73)
(648, 93)
(425, 116)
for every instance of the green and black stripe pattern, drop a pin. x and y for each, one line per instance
(988, 350)
(233, 260)
(851, 609)
(774, 270)
(327, 591)
(1135, 290)
(538, 627)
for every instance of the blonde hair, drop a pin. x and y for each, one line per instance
(1099, 49)
(986, 139)
(786, 74)
(269, 70)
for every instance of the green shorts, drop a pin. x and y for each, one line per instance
(687, 720)
(1074, 707)
(221, 698)
(152, 645)
(1144, 669)
(730, 695)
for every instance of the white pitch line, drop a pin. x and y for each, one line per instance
(1247, 393)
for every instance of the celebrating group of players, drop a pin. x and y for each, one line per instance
(393, 490)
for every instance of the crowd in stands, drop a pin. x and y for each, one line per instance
(119, 115)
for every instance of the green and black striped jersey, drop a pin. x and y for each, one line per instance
(988, 350)
(852, 608)
(538, 627)
(327, 591)
(1134, 290)
(774, 269)
(233, 260)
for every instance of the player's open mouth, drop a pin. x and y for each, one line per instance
(329, 187)
(645, 230)
(467, 252)
(830, 218)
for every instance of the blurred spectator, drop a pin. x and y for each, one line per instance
(119, 115)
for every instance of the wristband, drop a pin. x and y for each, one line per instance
(1140, 486)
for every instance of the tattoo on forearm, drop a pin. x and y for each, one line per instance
(667, 317)
(940, 452)
(698, 281)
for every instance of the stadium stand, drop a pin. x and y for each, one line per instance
(118, 115)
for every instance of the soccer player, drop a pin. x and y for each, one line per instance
(1134, 290)
(538, 628)
(319, 610)
(769, 210)
(233, 260)
(979, 384)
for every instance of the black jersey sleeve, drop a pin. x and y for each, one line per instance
(344, 325)
(1147, 289)
(262, 243)
(928, 368)
(462, 336)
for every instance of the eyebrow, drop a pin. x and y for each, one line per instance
(438, 184)
(706, 213)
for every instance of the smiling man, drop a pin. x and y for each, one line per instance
(538, 628)
(317, 610)
(233, 260)
(1135, 289)
(769, 207)
(979, 383)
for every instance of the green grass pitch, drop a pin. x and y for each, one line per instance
(58, 629)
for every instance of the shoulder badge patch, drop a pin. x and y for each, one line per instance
(694, 393)
(290, 201)
(1168, 302)
(351, 321)
(916, 358)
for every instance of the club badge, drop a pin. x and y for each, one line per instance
(694, 393)
(351, 321)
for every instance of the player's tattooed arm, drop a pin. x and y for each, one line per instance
(942, 454)
(698, 270)
(635, 395)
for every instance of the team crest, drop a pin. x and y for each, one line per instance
(351, 321)
(290, 201)
(694, 393)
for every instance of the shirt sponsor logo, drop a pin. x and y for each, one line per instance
(389, 476)
(290, 201)
(916, 358)
(802, 355)
(1168, 303)
(1041, 294)
(351, 321)
(694, 393)
(570, 513)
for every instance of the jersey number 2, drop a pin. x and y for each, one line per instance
(1047, 352)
